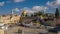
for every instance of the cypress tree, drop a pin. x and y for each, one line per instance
(57, 13)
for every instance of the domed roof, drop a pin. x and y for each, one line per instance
(24, 12)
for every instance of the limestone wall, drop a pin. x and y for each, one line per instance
(1, 31)
(7, 19)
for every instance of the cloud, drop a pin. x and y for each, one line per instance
(16, 10)
(18, 0)
(58, 1)
(28, 10)
(54, 3)
(34, 9)
(40, 8)
(2, 3)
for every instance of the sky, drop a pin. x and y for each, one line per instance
(31, 6)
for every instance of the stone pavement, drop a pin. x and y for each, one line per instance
(24, 30)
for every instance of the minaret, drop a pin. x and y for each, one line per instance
(12, 14)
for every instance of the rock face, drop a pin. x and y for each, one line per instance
(23, 19)
(55, 22)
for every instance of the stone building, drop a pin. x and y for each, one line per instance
(8, 19)
(11, 18)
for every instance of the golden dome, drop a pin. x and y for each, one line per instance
(24, 12)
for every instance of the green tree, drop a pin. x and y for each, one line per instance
(39, 13)
(35, 14)
(26, 15)
(57, 13)
(32, 15)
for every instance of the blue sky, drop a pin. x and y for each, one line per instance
(6, 6)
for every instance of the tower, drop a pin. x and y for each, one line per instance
(12, 14)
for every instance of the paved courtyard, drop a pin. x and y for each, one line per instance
(23, 30)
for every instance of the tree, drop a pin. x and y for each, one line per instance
(57, 13)
(32, 15)
(39, 13)
(26, 15)
(35, 14)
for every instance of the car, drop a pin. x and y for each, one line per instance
(55, 30)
